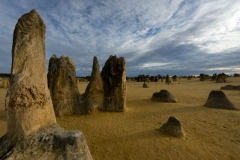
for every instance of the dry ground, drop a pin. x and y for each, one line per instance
(210, 133)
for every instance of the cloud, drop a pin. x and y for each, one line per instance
(167, 36)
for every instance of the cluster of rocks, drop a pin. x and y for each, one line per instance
(32, 130)
(34, 97)
(236, 75)
(219, 78)
(144, 78)
(105, 91)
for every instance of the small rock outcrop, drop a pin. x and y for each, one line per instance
(63, 86)
(94, 93)
(173, 127)
(114, 84)
(145, 85)
(217, 99)
(230, 87)
(32, 130)
(164, 96)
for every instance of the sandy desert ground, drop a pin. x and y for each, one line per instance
(210, 133)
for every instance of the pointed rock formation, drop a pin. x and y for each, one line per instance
(173, 127)
(217, 99)
(163, 96)
(32, 131)
(94, 94)
(114, 84)
(63, 86)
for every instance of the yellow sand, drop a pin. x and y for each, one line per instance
(210, 133)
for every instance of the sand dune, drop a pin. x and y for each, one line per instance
(210, 133)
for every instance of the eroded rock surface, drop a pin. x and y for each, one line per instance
(94, 94)
(32, 131)
(63, 85)
(49, 143)
(114, 84)
(163, 96)
(217, 99)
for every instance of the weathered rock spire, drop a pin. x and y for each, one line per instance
(94, 94)
(114, 83)
(28, 102)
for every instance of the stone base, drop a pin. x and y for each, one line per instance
(49, 143)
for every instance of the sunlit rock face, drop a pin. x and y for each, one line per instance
(114, 84)
(28, 101)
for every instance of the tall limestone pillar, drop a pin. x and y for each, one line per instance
(114, 83)
(28, 102)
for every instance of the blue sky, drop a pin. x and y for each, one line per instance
(182, 37)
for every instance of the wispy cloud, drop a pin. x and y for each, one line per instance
(168, 36)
